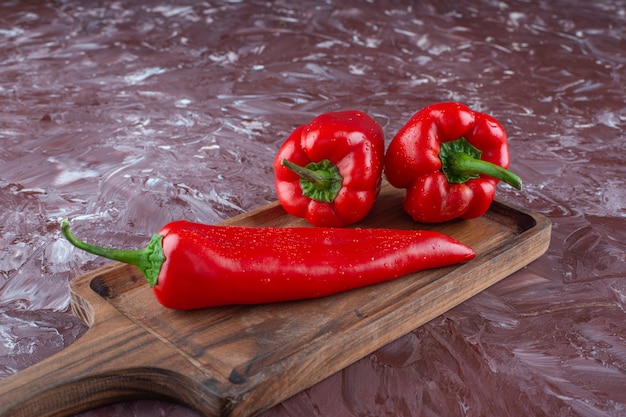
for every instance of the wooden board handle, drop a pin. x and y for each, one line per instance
(67, 383)
(115, 360)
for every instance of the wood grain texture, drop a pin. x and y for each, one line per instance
(240, 360)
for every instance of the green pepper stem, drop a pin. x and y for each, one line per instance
(148, 260)
(316, 178)
(320, 181)
(461, 162)
(470, 165)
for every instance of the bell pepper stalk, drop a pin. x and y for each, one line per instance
(329, 171)
(192, 266)
(450, 160)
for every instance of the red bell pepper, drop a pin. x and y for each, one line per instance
(192, 266)
(450, 159)
(329, 171)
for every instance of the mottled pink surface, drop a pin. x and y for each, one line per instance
(126, 115)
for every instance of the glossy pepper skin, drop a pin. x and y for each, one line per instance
(329, 171)
(191, 266)
(450, 159)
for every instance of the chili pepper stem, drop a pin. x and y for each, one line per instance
(460, 162)
(320, 181)
(148, 260)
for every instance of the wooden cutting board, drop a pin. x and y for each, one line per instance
(241, 360)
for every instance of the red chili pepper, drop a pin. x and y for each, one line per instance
(450, 159)
(191, 266)
(329, 171)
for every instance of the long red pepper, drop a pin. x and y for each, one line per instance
(192, 266)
